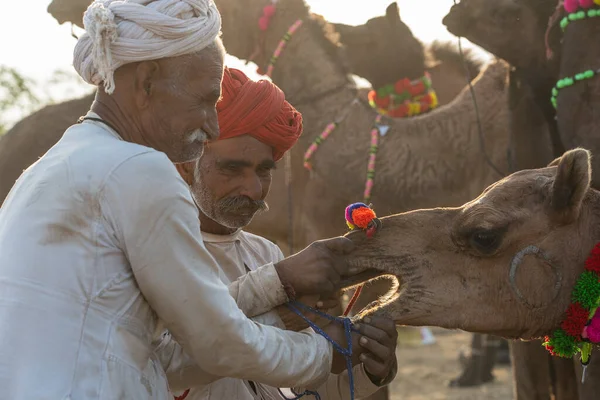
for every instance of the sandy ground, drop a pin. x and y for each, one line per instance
(424, 371)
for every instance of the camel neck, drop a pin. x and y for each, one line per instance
(308, 68)
(577, 105)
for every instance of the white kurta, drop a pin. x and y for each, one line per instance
(99, 246)
(237, 254)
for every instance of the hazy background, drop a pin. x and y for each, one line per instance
(37, 46)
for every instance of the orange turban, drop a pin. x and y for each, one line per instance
(259, 109)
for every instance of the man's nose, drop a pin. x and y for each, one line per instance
(252, 187)
(211, 126)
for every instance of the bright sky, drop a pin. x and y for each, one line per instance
(34, 43)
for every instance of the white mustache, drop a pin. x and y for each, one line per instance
(197, 135)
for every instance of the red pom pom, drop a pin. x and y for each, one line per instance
(269, 10)
(399, 112)
(382, 102)
(263, 23)
(417, 88)
(401, 85)
(427, 99)
(576, 319)
(362, 217)
(593, 261)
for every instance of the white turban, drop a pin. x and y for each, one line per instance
(119, 32)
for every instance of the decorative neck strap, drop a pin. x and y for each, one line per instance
(405, 98)
(581, 327)
(263, 24)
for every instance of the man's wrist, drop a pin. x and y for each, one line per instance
(386, 380)
(287, 286)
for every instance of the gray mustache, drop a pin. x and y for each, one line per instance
(233, 204)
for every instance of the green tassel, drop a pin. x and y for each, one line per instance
(564, 345)
(587, 290)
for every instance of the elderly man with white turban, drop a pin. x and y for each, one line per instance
(100, 246)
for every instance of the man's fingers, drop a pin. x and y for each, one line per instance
(374, 333)
(373, 366)
(327, 304)
(381, 351)
(385, 324)
(339, 245)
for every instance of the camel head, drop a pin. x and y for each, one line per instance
(504, 263)
(513, 30)
(385, 38)
(69, 10)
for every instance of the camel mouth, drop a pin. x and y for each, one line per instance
(456, 22)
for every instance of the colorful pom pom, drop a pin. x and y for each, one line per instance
(592, 331)
(587, 290)
(586, 3)
(562, 344)
(359, 215)
(577, 318)
(592, 263)
(269, 11)
(263, 23)
(571, 5)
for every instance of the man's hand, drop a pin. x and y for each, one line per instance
(322, 303)
(379, 341)
(318, 268)
(375, 346)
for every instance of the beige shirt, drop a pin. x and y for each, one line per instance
(100, 252)
(246, 263)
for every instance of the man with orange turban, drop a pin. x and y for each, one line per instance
(229, 184)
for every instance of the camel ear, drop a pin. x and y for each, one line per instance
(554, 162)
(572, 181)
(186, 170)
(392, 12)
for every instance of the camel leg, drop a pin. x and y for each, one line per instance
(478, 368)
(563, 378)
(503, 355)
(531, 371)
(591, 387)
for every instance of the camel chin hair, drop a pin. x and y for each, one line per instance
(364, 278)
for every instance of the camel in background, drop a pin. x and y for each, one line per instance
(384, 50)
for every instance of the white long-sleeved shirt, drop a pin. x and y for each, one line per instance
(246, 263)
(100, 252)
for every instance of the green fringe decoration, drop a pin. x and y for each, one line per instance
(563, 344)
(587, 290)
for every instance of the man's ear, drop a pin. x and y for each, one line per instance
(572, 181)
(146, 74)
(186, 170)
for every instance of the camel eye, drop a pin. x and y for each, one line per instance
(486, 241)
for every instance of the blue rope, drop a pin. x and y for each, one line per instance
(295, 306)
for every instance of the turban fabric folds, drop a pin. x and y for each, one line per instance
(119, 32)
(259, 109)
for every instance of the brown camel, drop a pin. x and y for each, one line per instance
(504, 263)
(578, 120)
(515, 31)
(382, 62)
